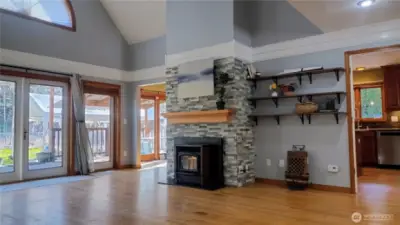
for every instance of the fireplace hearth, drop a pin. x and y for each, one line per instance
(199, 162)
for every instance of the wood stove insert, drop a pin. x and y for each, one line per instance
(199, 162)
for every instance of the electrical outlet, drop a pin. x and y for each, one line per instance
(268, 162)
(125, 153)
(281, 163)
(333, 168)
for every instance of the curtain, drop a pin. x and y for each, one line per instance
(83, 151)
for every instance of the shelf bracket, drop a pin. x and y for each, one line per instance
(337, 75)
(310, 77)
(302, 118)
(309, 97)
(275, 79)
(336, 115)
(300, 99)
(299, 77)
(253, 103)
(275, 100)
(309, 118)
(278, 120)
(338, 97)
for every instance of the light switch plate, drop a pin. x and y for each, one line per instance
(125, 121)
(125, 153)
(333, 168)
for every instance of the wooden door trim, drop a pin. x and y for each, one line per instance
(36, 76)
(350, 120)
(113, 90)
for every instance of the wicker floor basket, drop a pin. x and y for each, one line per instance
(306, 107)
(297, 176)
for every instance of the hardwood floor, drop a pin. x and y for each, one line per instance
(131, 197)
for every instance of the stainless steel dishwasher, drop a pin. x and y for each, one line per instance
(389, 149)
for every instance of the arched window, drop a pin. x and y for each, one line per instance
(54, 12)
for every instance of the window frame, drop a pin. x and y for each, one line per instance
(357, 98)
(67, 3)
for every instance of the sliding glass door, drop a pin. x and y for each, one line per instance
(33, 126)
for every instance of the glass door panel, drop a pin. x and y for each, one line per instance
(45, 149)
(98, 118)
(7, 126)
(45, 129)
(147, 128)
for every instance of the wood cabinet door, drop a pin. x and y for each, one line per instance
(369, 149)
(358, 153)
(392, 86)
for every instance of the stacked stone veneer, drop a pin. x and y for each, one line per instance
(238, 137)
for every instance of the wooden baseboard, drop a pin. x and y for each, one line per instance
(320, 187)
(129, 166)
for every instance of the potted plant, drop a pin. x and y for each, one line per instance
(222, 79)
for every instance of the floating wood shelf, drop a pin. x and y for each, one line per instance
(299, 75)
(299, 97)
(301, 116)
(211, 116)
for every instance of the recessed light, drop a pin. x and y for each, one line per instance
(365, 3)
(360, 68)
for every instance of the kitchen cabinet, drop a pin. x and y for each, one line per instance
(392, 86)
(366, 148)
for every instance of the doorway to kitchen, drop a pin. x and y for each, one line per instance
(153, 140)
(374, 133)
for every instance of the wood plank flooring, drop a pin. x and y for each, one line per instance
(132, 197)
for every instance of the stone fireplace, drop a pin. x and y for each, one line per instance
(237, 133)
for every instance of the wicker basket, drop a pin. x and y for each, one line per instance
(306, 107)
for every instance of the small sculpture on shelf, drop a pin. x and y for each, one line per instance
(273, 87)
(288, 89)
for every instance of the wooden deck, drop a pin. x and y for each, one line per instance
(131, 197)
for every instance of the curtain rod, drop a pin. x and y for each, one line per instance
(27, 69)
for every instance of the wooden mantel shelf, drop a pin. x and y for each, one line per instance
(211, 116)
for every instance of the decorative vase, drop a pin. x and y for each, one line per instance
(274, 94)
(220, 105)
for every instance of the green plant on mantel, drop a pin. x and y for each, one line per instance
(223, 79)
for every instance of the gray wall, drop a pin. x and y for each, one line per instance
(96, 41)
(148, 54)
(277, 21)
(326, 141)
(198, 24)
(243, 21)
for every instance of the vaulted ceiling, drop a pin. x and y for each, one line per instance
(141, 20)
(331, 15)
(137, 20)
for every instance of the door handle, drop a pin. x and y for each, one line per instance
(25, 133)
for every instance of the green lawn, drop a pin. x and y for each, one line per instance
(6, 153)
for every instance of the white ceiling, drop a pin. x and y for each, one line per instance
(141, 20)
(376, 59)
(138, 20)
(333, 15)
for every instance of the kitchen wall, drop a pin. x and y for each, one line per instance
(96, 41)
(326, 141)
(368, 76)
